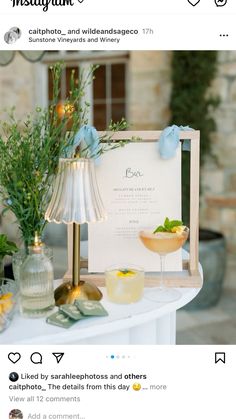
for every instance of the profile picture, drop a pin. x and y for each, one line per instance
(12, 35)
(15, 414)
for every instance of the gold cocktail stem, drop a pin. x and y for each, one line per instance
(76, 255)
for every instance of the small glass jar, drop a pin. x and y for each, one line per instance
(36, 283)
(19, 257)
(124, 285)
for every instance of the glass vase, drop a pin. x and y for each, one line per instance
(36, 283)
(19, 257)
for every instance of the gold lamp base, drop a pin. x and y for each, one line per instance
(66, 293)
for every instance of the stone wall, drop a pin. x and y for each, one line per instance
(17, 85)
(149, 89)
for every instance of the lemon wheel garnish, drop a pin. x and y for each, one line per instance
(178, 230)
(125, 273)
(6, 303)
(6, 296)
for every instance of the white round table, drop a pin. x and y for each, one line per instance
(142, 323)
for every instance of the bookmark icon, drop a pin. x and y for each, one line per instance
(220, 357)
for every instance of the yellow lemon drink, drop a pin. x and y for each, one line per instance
(124, 285)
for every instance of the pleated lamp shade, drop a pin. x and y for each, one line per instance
(75, 197)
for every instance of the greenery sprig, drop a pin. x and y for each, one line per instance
(6, 247)
(30, 150)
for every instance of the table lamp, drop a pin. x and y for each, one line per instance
(76, 200)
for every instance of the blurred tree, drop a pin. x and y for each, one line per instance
(191, 104)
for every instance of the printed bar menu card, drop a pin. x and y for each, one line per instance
(138, 190)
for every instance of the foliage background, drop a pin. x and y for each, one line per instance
(191, 104)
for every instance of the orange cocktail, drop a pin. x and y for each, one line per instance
(164, 240)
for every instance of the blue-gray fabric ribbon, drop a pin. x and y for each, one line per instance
(169, 141)
(87, 137)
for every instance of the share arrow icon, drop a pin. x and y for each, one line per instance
(58, 356)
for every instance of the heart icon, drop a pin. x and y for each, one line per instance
(193, 2)
(14, 357)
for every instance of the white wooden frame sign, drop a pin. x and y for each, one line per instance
(190, 276)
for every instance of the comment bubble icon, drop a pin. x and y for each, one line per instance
(36, 358)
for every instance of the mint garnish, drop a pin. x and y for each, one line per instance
(167, 226)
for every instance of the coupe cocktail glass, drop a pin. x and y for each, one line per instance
(163, 243)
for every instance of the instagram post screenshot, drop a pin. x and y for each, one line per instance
(117, 209)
